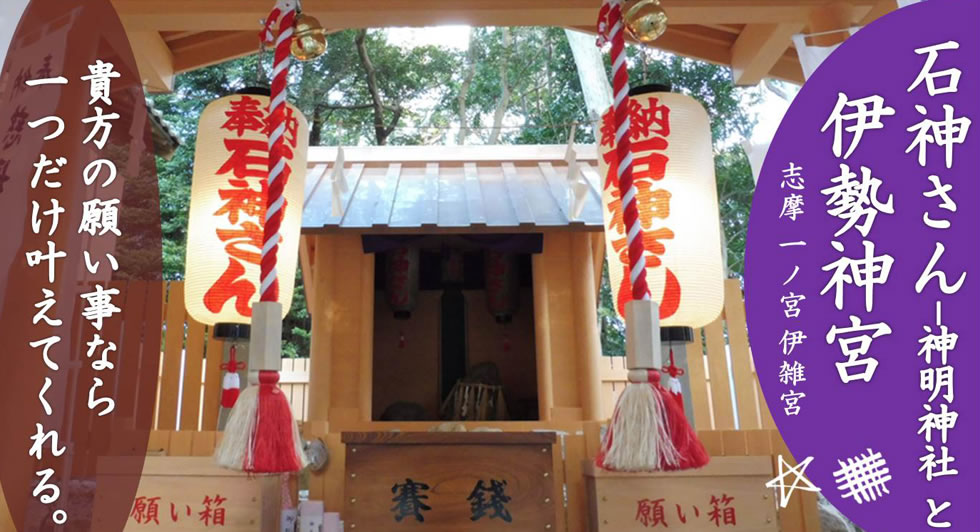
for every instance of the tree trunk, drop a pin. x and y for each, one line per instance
(504, 102)
(316, 128)
(464, 91)
(381, 131)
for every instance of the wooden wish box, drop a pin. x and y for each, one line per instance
(450, 482)
(728, 494)
(188, 494)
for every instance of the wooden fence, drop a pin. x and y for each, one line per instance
(189, 354)
(724, 386)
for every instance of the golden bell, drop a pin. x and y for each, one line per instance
(309, 38)
(646, 20)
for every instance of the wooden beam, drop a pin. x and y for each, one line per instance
(758, 49)
(687, 42)
(224, 46)
(156, 63)
(788, 68)
(829, 18)
(200, 39)
(187, 15)
(171, 36)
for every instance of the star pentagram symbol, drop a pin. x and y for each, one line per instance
(785, 490)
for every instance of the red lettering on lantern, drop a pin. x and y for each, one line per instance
(245, 115)
(648, 162)
(652, 120)
(242, 200)
(649, 131)
(229, 286)
(670, 301)
(239, 239)
(651, 204)
(291, 130)
(651, 243)
(243, 162)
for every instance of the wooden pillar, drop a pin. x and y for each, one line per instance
(366, 371)
(340, 307)
(542, 338)
(828, 18)
(321, 332)
(555, 263)
(589, 348)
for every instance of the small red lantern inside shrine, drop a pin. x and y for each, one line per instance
(502, 284)
(402, 280)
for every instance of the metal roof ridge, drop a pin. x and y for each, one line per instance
(516, 153)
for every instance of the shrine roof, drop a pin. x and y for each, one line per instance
(424, 189)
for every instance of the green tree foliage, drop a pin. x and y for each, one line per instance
(510, 85)
(365, 90)
(519, 86)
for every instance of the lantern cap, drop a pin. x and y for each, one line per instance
(651, 87)
(232, 331)
(255, 91)
(677, 333)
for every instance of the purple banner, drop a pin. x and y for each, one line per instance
(861, 272)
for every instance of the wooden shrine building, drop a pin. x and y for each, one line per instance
(452, 203)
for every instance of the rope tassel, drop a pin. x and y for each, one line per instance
(638, 438)
(231, 385)
(648, 431)
(674, 382)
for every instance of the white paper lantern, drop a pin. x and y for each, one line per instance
(673, 168)
(227, 212)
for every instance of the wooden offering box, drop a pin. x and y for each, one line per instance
(728, 494)
(450, 481)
